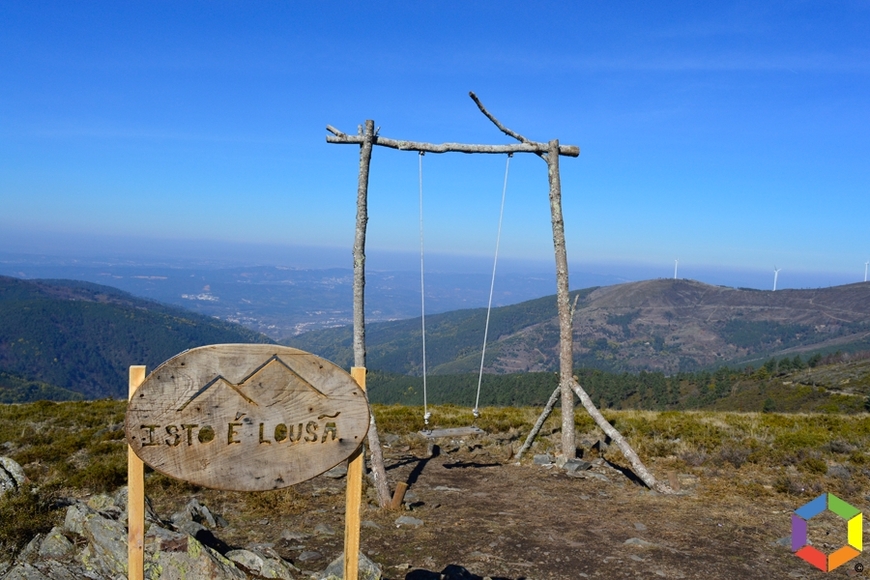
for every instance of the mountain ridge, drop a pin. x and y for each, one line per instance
(660, 325)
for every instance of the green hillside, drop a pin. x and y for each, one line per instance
(664, 325)
(82, 337)
(453, 339)
(17, 389)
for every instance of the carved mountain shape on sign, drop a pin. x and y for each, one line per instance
(274, 373)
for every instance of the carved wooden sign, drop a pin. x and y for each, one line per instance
(246, 417)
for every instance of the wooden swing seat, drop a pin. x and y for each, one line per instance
(452, 432)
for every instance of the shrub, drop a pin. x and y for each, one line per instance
(25, 513)
(736, 456)
(694, 458)
(813, 465)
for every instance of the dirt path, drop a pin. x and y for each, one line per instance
(517, 522)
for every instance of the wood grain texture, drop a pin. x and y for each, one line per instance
(246, 417)
(566, 333)
(530, 147)
(135, 496)
(453, 432)
(353, 497)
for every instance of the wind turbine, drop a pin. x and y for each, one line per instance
(865, 270)
(775, 276)
(676, 263)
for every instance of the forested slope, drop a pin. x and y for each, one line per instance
(82, 337)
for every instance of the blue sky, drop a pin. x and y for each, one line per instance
(733, 136)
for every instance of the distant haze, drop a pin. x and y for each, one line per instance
(34, 247)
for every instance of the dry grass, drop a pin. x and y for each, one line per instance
(78, 449)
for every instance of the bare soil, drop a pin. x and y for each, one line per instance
(498, 519)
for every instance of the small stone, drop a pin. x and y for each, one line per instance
(76, 514)
(368, 570)
(639, 543)
(573, 465)
(323, 530)
(543, 459)
(640, 527)
(245, 559)
(190, 527)
(159, 539)
(337, 472)
(55, 545)
(309, 555)
(196, 512)
(291, 536)
(786, 542)
(408, 521)
(370, 524)
(101, 502)
(11, 475)
(260, 565)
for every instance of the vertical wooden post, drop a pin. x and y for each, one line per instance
(359, 247)
(135, 497)
(566, 330)
(355, 465)
(379, 472)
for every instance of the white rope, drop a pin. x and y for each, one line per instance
(426, 413)
(476, 410)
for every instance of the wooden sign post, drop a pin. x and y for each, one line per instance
(246, 417)
(355, 468)
(135, 497)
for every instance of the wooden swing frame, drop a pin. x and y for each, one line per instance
(366, 138)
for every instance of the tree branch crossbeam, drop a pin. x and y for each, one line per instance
(527, 147)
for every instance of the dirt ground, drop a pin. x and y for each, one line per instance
(497, 519)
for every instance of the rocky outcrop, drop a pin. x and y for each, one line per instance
(368, 570)
(11, 476)
(92, 543)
